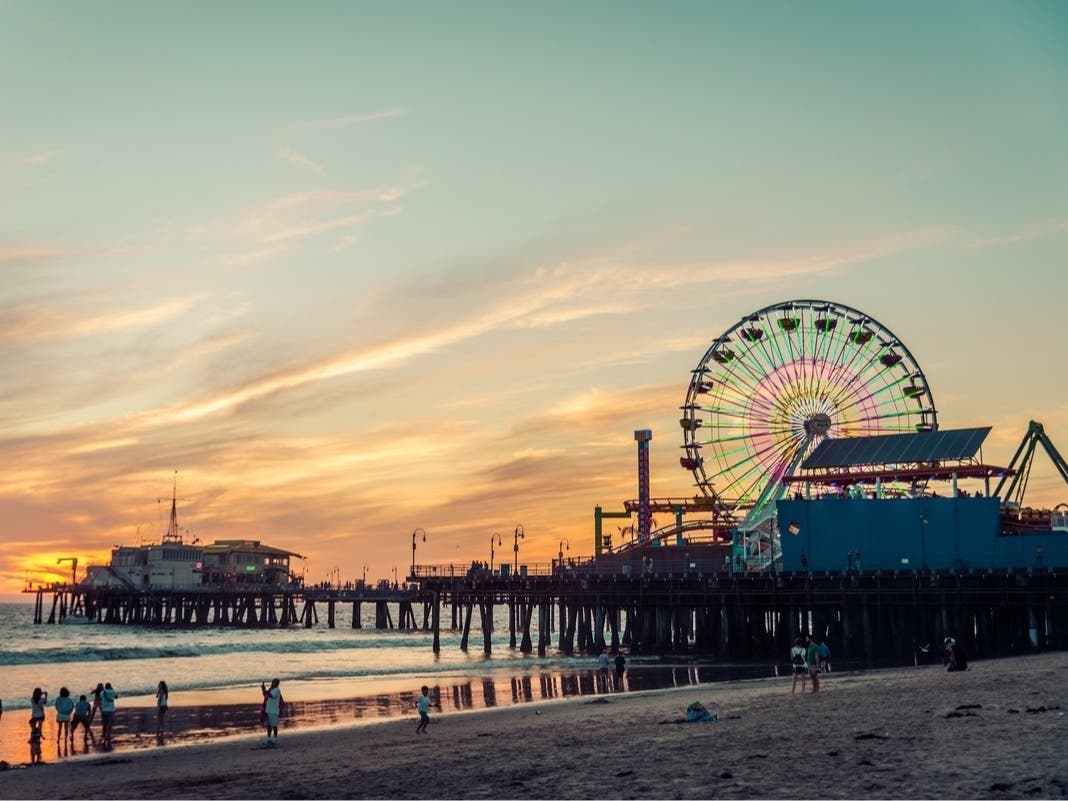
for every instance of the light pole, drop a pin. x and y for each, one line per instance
(518, 533)
(415, 534)
(365, 574)
(498, 538)
(563, 543)
(394, 577)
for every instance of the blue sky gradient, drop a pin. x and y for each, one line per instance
(354, 268)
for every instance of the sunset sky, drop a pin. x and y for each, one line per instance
(357, 268)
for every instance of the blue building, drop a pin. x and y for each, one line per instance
(851, 513)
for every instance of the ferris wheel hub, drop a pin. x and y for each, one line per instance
(818, 425)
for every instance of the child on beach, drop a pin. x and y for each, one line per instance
(37, 708)
(64, 706)
(422, 703)
(35, 746)
(272, 708)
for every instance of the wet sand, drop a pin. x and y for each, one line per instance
(995, 731)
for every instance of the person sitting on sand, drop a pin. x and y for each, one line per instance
(955, 658)
(698, 713)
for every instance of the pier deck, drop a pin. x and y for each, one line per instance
(871, 615)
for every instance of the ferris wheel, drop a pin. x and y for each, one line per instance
(779, 382)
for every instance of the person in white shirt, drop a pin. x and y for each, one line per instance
(107, 711)
(272, 709)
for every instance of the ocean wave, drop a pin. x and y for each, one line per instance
(85, 652)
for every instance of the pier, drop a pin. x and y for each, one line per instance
(871, 616)
(188, 608)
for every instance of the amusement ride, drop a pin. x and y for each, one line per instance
(763, 396)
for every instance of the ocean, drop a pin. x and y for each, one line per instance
(328, 676)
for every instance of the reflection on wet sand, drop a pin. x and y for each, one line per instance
(135, 728)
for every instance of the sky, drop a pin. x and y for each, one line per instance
(355, 269)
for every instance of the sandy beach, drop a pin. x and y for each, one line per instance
(995, 731)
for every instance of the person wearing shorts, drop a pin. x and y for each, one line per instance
(800, 666)
(423, 705)
(272, 709)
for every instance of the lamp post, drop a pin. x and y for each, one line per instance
(518, 533)
(365, 574)
(394, 577)
(415, 534)
(563, 543)
(493, 536)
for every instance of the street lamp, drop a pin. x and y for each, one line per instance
(563, 543)
(415, 534)
(492, 536)
(394, 577)
(518, 533)
(365, 574)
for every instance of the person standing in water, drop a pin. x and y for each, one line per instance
(64, 706)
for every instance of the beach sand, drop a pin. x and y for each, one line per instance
(996, 731)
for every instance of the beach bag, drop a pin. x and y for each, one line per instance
(696, 712)
(798, 660)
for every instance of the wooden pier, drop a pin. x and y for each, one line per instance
(868, 616)
(249, 608)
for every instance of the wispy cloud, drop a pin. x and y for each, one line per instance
(561, 294)
(346, 120)
(300, 160)
(34, 159)
(26, 324)
(1038, 230)
(27, 254)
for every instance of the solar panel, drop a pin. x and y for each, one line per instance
(925, 446)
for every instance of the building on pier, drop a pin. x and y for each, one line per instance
(174, 564)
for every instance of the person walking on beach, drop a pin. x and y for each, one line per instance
(161, 708)
(603, 663)
(422, 703)
(96, 701)
(107, 711)
(82, 713)
(812, 657)
(825, 656)
(64, 707)
(37, 709)
(621, 667)
(272, 708)
(797, 659)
